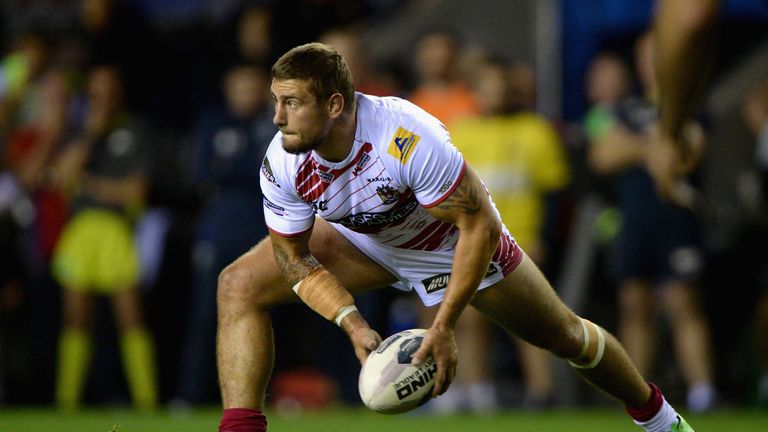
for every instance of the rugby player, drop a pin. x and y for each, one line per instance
(364, 192)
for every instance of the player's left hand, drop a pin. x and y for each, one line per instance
(670, 160)
(440, 343)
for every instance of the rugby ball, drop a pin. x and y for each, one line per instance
(388, 383)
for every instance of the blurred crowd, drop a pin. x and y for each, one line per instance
(130, 149)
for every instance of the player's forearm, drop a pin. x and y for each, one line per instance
(474, 251)
(295, 265)
(317, 287)
(685, 44)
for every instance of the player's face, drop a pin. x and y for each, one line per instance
(302, 119)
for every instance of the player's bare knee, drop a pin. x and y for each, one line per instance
(593, 342)
(566, 343)
(235, 288)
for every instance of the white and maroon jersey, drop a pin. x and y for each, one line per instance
(401, 162)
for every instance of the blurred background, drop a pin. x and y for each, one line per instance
(158, 111)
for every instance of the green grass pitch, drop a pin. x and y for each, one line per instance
(360, 420)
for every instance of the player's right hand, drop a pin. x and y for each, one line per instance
(440, 343)
(364, 340)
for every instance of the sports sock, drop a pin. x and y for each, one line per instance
(243, 420)
(74, 354)
(657, 415)
(138, 361)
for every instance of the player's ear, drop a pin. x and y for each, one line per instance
(335, 105)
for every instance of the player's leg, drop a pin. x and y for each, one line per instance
(637, 331)
(525, 304)
(250, 286)
(692, 341)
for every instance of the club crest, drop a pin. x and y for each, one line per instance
(387, 194)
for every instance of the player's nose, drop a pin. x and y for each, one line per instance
(279, 117)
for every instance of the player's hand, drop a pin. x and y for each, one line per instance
(669, 161)
(364, 340)
(440, 343)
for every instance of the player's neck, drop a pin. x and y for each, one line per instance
(341, 137)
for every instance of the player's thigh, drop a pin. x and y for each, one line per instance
(256, 276)
(355, 270)
(525, 304)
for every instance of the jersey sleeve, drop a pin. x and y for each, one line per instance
(284, 212)
(427, 160)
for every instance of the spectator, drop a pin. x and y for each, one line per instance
(36, 115)
(254, 35)
(367, 78)
(36, 109)
(608, 83)
(522, 162)
(659, 245)
(105, 169)
(230, 142)
(115, 33)
(441, 89)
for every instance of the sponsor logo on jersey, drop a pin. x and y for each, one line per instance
(388, 194)
(319, 205)
(276, 209)
(402, 144)
(361, 164)
(447, 185)
(379, 179)
(325, 177)
(440, 281)
(436, 282)
(266, 171)
(367, 220)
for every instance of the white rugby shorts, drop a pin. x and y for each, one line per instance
(428, 272)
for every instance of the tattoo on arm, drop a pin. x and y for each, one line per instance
(465, 199)
(293, 270)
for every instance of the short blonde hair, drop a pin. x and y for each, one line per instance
(322, 67)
